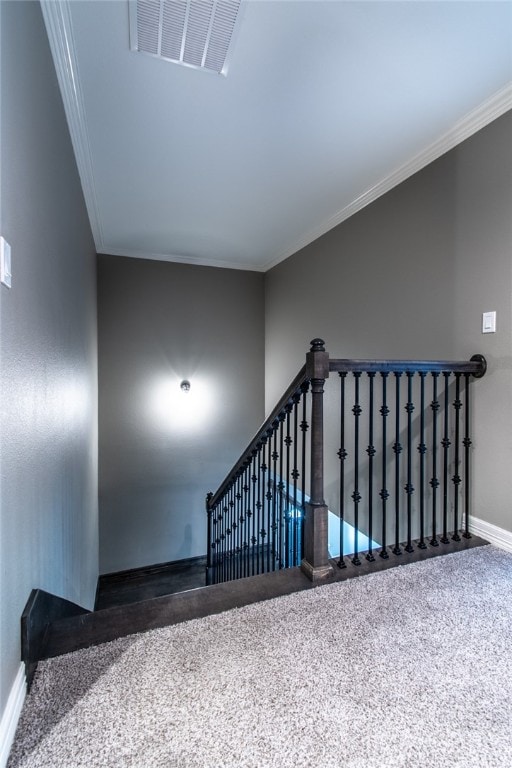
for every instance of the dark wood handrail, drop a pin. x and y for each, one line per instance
(292, 390)
(476, 366)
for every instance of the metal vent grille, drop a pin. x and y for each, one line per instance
(196, 33)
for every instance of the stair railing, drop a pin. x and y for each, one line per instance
(255, 518)
(261, 519)
(404, 453)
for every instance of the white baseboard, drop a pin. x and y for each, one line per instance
(492, 533)
(11, 715)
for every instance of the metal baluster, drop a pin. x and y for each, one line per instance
(295, 476)
(225, 518)
(225, 514)
(234, 526)
(229, 531)
(304, 426)
(249, 516)
(409, 408)
(258, 510)
(434, 482)
(216, 567)
(243, 519)
(264, 505)
(371, 453)
(342, 455)
(268, 497)
(456, 477)
(445, 442)
(467, 446)
(275, 457)
(261, 506)
(225, 510)
(254, 511)
(282, 521)
(218, 542)
(288, 442)
(422, 448)
(239, 524)
(246, 519)
(356, 496)
(384, 493)
(397, 448)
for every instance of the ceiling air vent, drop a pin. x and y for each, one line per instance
(195, 33)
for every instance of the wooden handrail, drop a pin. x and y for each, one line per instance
(476, 366)
(293, 389)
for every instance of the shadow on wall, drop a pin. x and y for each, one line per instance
(186, 546)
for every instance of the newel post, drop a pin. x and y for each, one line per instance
(316, 561)
(209, 542)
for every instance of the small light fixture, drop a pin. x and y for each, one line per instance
(185, 385)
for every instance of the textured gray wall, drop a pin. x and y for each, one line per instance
(48, 500)
(409, 276)
(158, 324)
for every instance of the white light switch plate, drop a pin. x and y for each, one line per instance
(5, 262)
(489, 322)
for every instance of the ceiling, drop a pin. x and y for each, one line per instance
(326, 105)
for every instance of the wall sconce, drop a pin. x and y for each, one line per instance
(185, 385)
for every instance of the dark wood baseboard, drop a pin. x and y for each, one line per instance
(40, 612)
(148, 582)
(174, 566)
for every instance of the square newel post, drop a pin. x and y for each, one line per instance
(209, 542)
(316, 557)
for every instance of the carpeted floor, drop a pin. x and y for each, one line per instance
(408, 667)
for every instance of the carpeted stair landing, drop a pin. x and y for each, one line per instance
(408, 667)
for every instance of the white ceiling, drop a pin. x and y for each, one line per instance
(326, 105)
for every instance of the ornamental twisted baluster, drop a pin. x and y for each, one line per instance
(409, 489)
(456, 479)
(371, 453)
(384, 493)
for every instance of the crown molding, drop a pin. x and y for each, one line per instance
(472, 122)
(57, 19)
(179, 259)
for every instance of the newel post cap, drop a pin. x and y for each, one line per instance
(317, 345)
(317, 361)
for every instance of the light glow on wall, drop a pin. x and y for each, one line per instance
(177, 410)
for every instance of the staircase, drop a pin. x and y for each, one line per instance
(397, 477)
(391, 459)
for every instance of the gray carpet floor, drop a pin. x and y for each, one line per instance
(408, 667)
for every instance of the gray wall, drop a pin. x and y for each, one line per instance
(409, 276)
(160, 323)
(48, 499)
